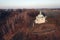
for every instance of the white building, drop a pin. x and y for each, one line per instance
(40, 18)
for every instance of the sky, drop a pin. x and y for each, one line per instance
(29, 4)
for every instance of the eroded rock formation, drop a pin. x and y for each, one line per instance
(18, 25)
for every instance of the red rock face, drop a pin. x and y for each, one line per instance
(18, 25)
